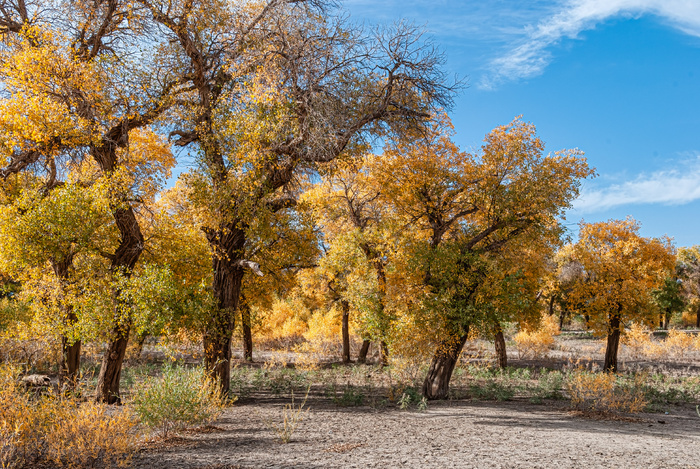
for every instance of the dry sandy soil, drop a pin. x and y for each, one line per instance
(459, 434)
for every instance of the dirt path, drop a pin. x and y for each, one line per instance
(450, 434)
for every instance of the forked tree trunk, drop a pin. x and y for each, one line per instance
(613, 342)
(362, 356)
(437, 382)
(346, 331)
(500, 344)
(227, 250)
(247, 332)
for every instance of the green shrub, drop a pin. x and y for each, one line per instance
(180, 398)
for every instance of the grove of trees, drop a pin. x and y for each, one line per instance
(322, 168)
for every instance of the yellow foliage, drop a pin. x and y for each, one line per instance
(638, 340)
(678, 343)
(61, 431)
(599, 392)
(538, 342)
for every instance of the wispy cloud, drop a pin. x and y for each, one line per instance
(670, 187)
(528, 56)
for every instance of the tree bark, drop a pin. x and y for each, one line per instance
(69, 367)
(613, 341)
(362, 356)
(247, 332)
(437, 381)
(697, 320)
(227, 245)
(70, 362)
(346, 331)
(123, 262)
(111, 369)
(500, 344)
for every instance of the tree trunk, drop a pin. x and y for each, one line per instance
(111, 369)
(437, 382)
(69, 367)
(140, 341)
(362, 356)
(500, 344)
(697, 320)
(123, 262)
(227, 246)
(383, 353)
(346, 331)
(247, 332)
(613, 342)
(70, 363)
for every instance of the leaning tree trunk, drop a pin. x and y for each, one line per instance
(123, 262)
(613, 344)
(437, 382)
(500, 344)
(362, 356)
(227, 246)
(346, 331)
(247, 332)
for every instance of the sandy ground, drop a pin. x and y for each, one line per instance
(459, 434)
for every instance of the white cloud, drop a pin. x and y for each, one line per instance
(671, 187)
(529, 56)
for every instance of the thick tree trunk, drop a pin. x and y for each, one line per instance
(346, 331)
(227, 246)
(123, 262)
(613, 342)
(247, 332)
(500, 344)
(362, 356)
(437, 382)
(111, 369)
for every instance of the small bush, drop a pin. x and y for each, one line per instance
(537, 343)
(180, 398)
(61, 431)
(600, 392)
(292, 415)
(549, 386)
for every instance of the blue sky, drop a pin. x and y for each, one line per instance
(619, 79)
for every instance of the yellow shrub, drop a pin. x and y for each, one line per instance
(284, 321)
(538, 342)
(60, 432)
(639, 342)
(678, 343)
(599, 392)
(89, 434)
(689, 318)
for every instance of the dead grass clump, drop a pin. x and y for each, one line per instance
(61, 431)
(601, 392)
